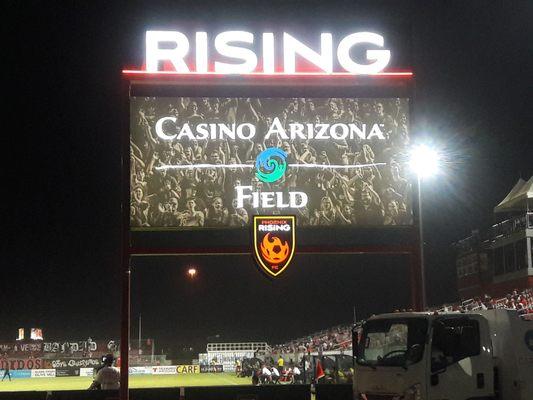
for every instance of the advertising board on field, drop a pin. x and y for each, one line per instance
(188, 369)
(21, 373)
(139, 370)
(211, 369)
(87, 372)
(62, 372)
(43, 373)
(164, 370)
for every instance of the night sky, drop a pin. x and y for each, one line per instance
(61, 197)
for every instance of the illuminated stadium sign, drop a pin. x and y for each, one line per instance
(241, 52)
(218, 161)
(274, 242)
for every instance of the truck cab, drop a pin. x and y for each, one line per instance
(437, 356)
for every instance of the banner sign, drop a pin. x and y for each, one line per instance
(211, 369)
(61, 372)
(164, 370)
(21, 363)
(81, 346)
(216, 162)
(76, 363)
(43, 373)
(188, 369)
(16, 347)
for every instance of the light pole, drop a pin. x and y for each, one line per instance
(424, 162)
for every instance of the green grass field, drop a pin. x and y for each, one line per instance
(136, 381)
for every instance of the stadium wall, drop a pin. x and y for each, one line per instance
(275, 392)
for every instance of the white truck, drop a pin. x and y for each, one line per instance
(477, 355)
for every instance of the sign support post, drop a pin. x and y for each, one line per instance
(125, 243)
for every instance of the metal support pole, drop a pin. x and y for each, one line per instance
(414, 278)
(421, 242)
(125, 248)
(125, 336)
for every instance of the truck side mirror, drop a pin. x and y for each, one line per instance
(414, 353)
(438, 365)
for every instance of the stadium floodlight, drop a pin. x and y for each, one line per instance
(192, 272)
(424, 162)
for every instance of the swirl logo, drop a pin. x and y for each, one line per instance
(270, 164)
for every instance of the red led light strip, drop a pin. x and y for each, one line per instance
(403, 74)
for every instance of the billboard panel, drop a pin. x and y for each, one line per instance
(215, 162)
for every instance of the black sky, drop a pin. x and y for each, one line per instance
(61, 197)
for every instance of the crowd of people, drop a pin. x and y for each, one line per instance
(336, 338)
(520, 300)
(204, 195)
(339, 337)
(279, 373)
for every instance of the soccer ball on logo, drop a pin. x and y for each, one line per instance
(274, 251)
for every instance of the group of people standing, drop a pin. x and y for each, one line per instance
(278, 374)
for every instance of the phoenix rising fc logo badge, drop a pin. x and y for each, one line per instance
(274, 242)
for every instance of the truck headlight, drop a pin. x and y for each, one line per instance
(413, 393)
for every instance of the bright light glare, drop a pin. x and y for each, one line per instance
(424, 161)
(191, 272)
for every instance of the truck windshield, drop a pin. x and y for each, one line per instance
(393, 342)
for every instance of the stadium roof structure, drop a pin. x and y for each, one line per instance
(518, 198)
